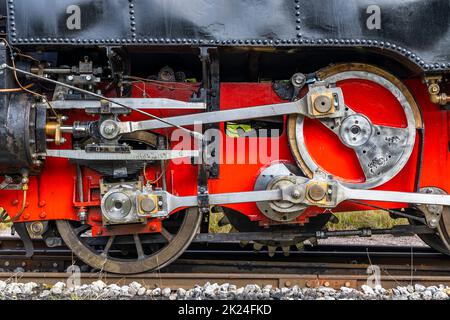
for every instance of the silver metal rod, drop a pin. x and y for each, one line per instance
(394, 196)
(141, 103)
(298, 107)
(80, 184)
(141, 155)
(175, 202)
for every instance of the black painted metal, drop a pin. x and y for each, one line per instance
(415, 29)
(17, 139)
(17, 142)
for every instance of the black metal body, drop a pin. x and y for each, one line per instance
(415, 31)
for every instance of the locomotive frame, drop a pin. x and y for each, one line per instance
(102, 112)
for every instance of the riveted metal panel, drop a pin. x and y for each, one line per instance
(55, 21)
(417, 30)
(215, 19)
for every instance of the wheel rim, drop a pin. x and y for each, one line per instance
(101, 259)
(353, 165)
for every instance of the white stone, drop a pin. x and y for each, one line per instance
(44, 294)
(166, 292)
(135, 285)
(29, 287)
(98, 285)
(181, 292)
(16, 289)
(141, 291)
(427, 295)
(440, 295)
(346, 290)
(327, 291)
(367, 290)
(124, 290)
(419, 287)
(58, 288)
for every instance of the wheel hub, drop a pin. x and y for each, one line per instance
(355, 130)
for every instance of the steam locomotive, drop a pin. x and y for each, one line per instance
(125, 123)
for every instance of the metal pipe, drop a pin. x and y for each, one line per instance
(51, 70)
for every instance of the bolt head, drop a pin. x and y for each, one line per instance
(433, 223)
(296, 194)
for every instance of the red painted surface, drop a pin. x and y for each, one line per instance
(51, 196)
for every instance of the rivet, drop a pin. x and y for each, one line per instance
(42, 203)
(26, 216)
(15, 202)
(42, 215)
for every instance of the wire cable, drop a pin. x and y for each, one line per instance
(13, 68)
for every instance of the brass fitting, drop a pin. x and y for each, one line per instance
(434, 90)
(53, 130)
(316, 192)
(148, 204)
(24, 181)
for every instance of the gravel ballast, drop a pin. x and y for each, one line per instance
(99, 290)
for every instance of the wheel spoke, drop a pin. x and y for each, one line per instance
(108, 246)
(166, 234)
(81, 229)
(104, 258)
(379, 150)
(139, 249)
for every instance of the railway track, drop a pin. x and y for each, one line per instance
(330, 266)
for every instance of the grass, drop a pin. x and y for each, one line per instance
(4, 226)
(347, 221)
(214, 226)
(365, 219)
